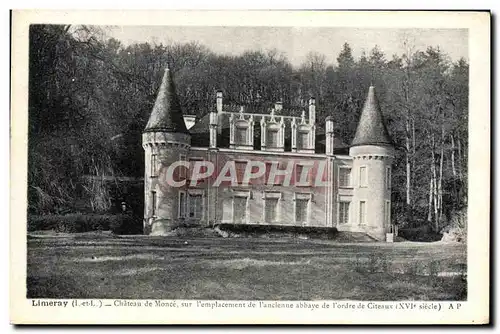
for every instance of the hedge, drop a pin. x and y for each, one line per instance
(280, 230)
(75, 223)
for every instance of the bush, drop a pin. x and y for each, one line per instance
(75, 223)
(457, 229)
(125, 224)
(421, 233)
(276, 231)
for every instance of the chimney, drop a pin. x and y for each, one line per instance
(219, 101)
(312, 111)
(214, 122)
(329, 135)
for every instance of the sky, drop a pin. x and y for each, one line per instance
(296, 42)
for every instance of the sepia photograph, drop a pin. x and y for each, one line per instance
(225, 166)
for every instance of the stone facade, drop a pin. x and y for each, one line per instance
(355, 189)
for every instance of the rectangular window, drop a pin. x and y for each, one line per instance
(298, 174)
(269, 165)
(240, 210)
(182, 169)
(301, 210)
(271, 209)
(153, 203)
(363, 177)
(195, 206)
(302, 140)
(240, 170)
(241, 136)
(344, 177)
(182, 205)
(278, 178)
(362, 213)
(203, 169)
(388, 178)
(344, 213)
(272, 138)
(153, 165)
(387, 213)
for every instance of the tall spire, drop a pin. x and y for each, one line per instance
(167, 114)
(371, 127)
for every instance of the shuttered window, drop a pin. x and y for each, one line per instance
(362, 213)
(239, 210)
(271, 208)
(344, 177)
(344, 212)
(195, 205)
(301, 210)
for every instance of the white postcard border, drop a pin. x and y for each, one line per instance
(475, 310)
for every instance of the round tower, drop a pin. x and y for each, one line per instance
(372, 152)
(165, 140)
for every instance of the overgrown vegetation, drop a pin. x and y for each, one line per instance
(90, 97)
(74, 223)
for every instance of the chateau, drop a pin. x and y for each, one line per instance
(309, 177)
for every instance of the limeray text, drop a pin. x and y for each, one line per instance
(51, 303)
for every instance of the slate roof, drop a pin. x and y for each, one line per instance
(167, 113)
(371, 127)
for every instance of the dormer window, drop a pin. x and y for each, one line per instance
(273, 130)
(241, 135)
(303, 135)
(272, 138)
(302, 140)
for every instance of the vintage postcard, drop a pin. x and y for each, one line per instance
(250, 167)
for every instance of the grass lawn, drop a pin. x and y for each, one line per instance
(142, 267)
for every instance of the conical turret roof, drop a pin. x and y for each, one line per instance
(371, 127)
(167, 114)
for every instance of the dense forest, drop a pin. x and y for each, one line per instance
(90, 96)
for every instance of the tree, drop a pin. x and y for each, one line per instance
(82, 82)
